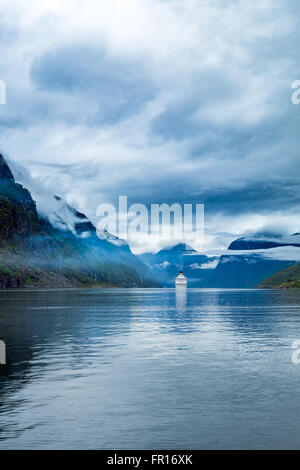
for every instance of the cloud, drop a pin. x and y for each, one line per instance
(120, 87)
(163, 101)
(285, 253)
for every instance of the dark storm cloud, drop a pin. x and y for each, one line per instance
(178, 121)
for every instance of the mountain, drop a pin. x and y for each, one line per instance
(61, 249)
(173, 254)
(252, 264)
(166, 264)
(261, 242)
(18, 214)
(66, 218)
(285, 279)
(248, 263)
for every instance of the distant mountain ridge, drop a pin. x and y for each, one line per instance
(288, 278)
(263, 243)
(59, 250)
(250, 267)
(246, 264)
(166, 264)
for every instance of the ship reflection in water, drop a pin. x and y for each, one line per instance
(181, 299)
(181, 285)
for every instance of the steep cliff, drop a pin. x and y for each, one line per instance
(64, 252)
(18, 214)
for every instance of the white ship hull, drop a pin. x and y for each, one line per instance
(181, 281)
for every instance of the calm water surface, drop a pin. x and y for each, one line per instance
(134, 368)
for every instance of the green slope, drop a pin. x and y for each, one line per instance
(285, 279)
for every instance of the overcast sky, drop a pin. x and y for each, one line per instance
(183, 101)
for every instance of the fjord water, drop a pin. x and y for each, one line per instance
(149, 368)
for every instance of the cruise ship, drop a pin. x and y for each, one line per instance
(181, 280)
